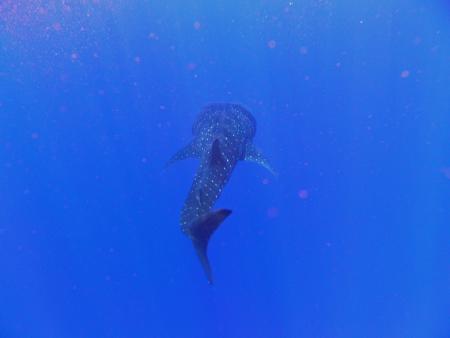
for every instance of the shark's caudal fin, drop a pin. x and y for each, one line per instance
(253, 154)
(200, 233)
(190, 151)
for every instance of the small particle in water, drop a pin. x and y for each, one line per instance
(446, 172)
(303, 194)
(303, 50)
(265, 181)
(271, 44)
(42, 11)
(404, 74)
(66, 7)
(57, 26)
(272, 212)
(338, 65)
(191, 66)
(74, 56)
(137, 59)
(63, 77)
(197, 25)
(34, 135)
(153, 36)
(417, 40)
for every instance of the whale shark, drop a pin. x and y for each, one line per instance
(222, 136)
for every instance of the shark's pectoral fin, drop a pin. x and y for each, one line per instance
(216, 154)
(190, 151)
(200, 233)
(253, 154)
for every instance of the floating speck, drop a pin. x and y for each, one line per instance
(191, 66)
(57, 26)
(74, 56)
(446, 172)
(271, 44)
(272, 212)
(153, 36)
(404, 74)
(303, 194)
(197, 25)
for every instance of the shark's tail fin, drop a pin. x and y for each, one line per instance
(200, 233)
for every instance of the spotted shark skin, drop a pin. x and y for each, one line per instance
(222, 136)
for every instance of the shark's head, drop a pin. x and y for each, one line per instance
(230, 118)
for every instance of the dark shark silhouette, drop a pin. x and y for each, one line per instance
(223, 134)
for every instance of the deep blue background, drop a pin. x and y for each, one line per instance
(353, 109)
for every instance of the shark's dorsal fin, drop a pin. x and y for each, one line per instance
(253, 154)
(190, 151)
(216, 154)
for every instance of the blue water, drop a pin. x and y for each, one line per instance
(352, 100)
